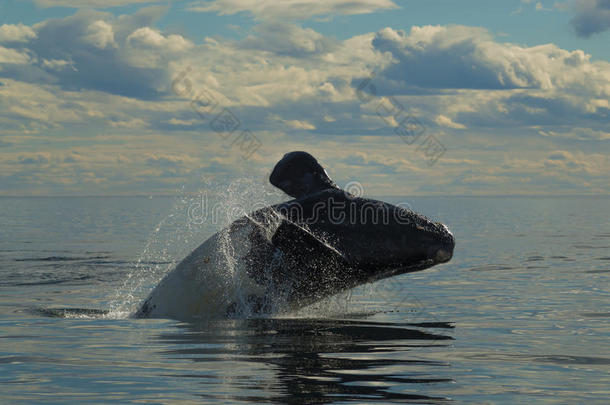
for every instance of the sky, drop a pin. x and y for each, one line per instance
(414, 97)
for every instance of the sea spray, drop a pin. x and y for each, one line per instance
(193, 218)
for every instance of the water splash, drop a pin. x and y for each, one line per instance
(183, 229)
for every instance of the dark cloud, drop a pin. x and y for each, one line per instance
(430, 58)
(435, 57)
(592, 17)
(89, 50)
(33, 160)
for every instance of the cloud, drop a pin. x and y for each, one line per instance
(292, 9)
(13, 56)
(168, 160)
(88, 3)
(57, 64)
(34, 159)
(100, 34)
(147, 48)
(300, 124)
(466, 75)
(294, 124)
(574, 163)
(445, 57)
(262, 78)
(148, 37)
(16, 33)
(188, 123)
(560, 155)
(577, 133)
(378, 163)
(96, 50)
(32, 108)
(444, 121)
(130, 124)
(448, 76)
(104, 83)
(288, 39)
(592, 17)
(437, 57)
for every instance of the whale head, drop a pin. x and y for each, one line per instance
(361, 240)
(377, 238)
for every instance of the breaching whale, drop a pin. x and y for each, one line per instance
(286, 256)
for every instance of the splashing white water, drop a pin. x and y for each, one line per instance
(181, 231)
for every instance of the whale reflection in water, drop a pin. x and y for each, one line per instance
(312, 360)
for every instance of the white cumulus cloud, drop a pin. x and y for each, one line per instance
(13, 56)
(16, 33)
(100, 34)
(148, 37)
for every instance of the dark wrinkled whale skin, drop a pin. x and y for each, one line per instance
(326, 253)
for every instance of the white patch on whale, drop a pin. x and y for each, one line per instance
(210, 279)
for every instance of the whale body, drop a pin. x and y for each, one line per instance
(287, 256)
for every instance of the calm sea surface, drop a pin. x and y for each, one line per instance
(520, 315)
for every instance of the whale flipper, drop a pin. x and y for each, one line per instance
(309, 265)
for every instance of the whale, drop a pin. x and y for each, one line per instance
(286, 256)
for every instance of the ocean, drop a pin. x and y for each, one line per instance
(521, 314)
